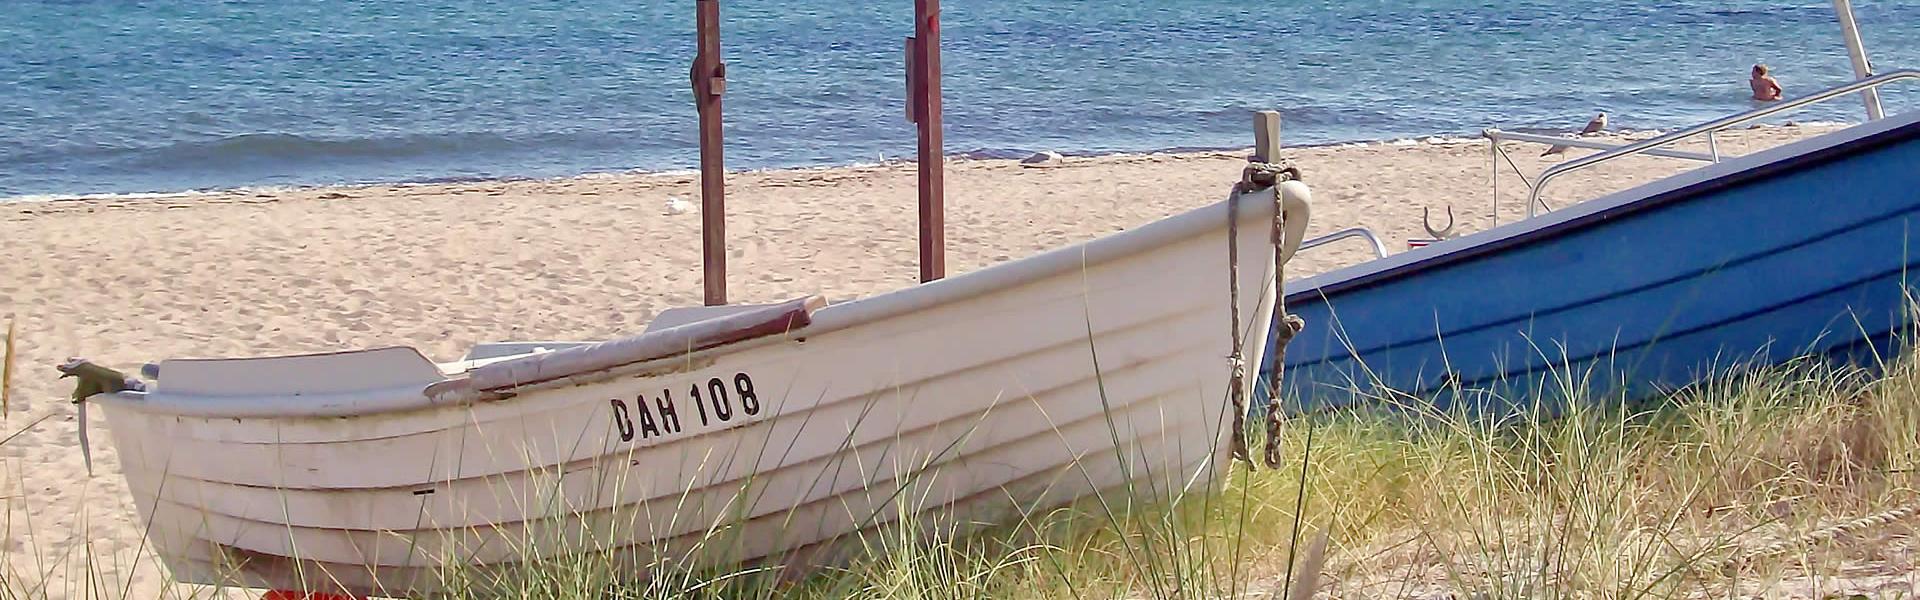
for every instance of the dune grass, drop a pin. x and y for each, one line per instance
(1793, 480)
(6, 372)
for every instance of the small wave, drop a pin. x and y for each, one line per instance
(1773, 13)
(104, 196)
(1308, 114)
(292, 148)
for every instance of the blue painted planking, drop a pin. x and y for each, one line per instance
(1804, 249)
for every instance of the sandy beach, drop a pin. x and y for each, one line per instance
(443, 266)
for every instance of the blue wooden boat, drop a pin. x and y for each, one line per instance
(1801, 250)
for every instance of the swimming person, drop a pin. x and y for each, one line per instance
(1765, 89)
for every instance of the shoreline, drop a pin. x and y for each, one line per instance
(974, 156)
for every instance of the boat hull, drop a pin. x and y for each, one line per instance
(1802, 250)
(1102, 367)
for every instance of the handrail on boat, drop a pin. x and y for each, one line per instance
(1510, 136)
(1533, 198)
(1495, 136)
(1379, 249)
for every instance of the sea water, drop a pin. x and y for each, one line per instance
(120, 96)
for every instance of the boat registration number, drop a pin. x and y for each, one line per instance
(718, 400)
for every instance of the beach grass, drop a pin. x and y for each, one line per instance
(6, 372)
(1797, 480)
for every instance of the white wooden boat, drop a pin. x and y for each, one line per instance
(719, 434)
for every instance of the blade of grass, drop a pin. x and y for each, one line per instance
(6, 373)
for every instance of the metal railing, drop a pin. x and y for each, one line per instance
(1379, 249)
(1498, 154)
(1509, 136)
(1647, 146)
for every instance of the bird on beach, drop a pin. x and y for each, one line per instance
(1596, 125)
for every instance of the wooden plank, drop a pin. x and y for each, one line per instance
(932, 156)
(775, 319)
(913, 92)
(709, 83)
(1266, 136)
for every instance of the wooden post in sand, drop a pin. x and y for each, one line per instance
(709, 82)
(1858, 52)
(923, 108)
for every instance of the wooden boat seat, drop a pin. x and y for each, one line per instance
(301, 375)
(734, 326)
(484, 354)
(677, 316)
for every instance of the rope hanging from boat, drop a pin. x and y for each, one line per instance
(1237, 359)
(1256, 177)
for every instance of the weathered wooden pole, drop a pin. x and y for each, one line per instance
(709, 82)
(1862, 69)
(1266, 136)
(923, 108)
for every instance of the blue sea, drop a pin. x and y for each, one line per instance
(127, 96)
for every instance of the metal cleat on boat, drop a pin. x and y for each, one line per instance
(94, 379)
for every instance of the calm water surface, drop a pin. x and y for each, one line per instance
(111, 96)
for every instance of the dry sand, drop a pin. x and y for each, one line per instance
(443, 266)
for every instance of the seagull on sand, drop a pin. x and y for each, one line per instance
(1596, 125)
